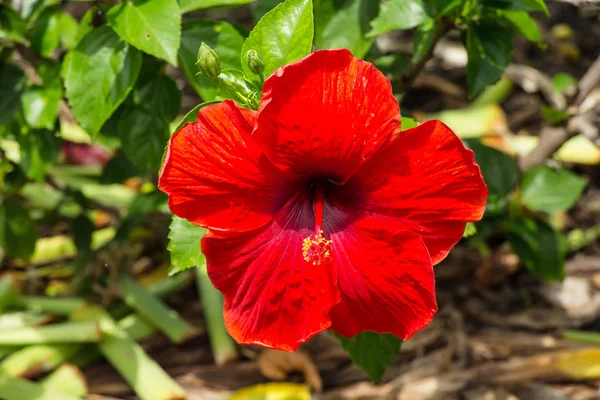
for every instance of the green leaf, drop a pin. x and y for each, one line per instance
(153, 26)
(371, 351)
(68, 28)
(399, 14)
(18, 234)
(553, 115)
(344, 24)
(192, 5)
(470, 230)
(40, 104)
(234, 85)
(46, 33)
(12, 26)
(500, 171)
(158, 93)
(193, 114)
(439, 8)
(39, 150)
(408, 123)
(282, 36)
(261, 7)
(86, 24)
(12, 82)
(551, 190)
(424, 36)
(82, 229)
(519, 5)
(99, 74)
(184, 245)
(144, 136)
(522, 23)
(489, 47)
(118, 169)
(561, 81)
(539, 247)
(221, 36)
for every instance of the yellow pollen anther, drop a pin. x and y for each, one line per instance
(316, 249)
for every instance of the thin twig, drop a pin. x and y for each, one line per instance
(414, 68)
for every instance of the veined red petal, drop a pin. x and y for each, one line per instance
(325, 115)
(217, 177)
(385, 279)
(273, 297)
(426, 182)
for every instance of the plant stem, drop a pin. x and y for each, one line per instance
(581, 336)
(33, 360)
(59, 305)
(23, 318)
(66, 332)
(413, 69)
(223, 347)
(143, 374)
(67, 379)
(19, 389)
(153, 310)
(7, 290)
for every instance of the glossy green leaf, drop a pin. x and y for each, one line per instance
(424, 37)
(40, 104)
(233, 85)
(193, 114)
(184, 245)
(192, 5)
(153, 26)
(344, 24)
(490, 48)
(399, 14)
(523, 24)
(221, 36)
(371, 351)
(158, 93)
(144, 136)
(12, 26)
(439, 8)
(39, 149)
(68, 29)
(539, 247)
(551, 190)
(500, 171)
(520, 5)
(99, 73)
(282, 36)
(18, 234)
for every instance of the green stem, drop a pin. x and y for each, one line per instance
(33, 360)
(143, 374)
(59, 305)
(67, 379)
(23, 318)
(581, 336)
(153, 310)
(66, 332)
(19, 389)
(8, 290)
(223, 347)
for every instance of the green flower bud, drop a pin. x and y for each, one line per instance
(255, 62)
(208, 61)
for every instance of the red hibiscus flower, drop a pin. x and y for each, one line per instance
(321, 213)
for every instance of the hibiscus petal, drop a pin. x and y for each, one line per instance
(273, 297)
(217, 177)
(326, 114)
(426, 182)
(385, 279)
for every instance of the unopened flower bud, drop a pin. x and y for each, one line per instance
(208, 61)
(255, 62)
